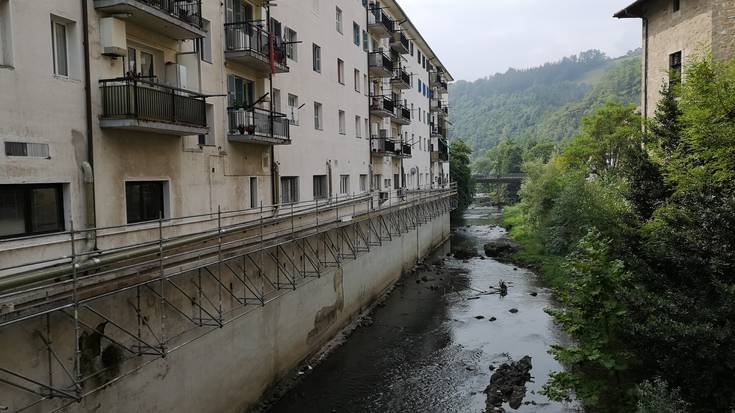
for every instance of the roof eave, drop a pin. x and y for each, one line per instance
(633, 11)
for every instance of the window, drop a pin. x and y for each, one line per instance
(377, 179)
(340, 71)
(676, 5)
(358, 127)
(357, 80)
(365, 82)
(317, 61)
(291, 39)
(342, 126)
(356, 34)
(6, 46)
(396, 181)
(318, 116)
(275, 28)
(419, 84)
(289, 189)
(418, 56)
(240, 91)
(203, 45)
(363, 183)
(320, 187)
(367, 128)
(675, 68)
(253, 192)
(344, 184)
(293, 109)
(365, 41)
(339, 20)
(60, 48)
(276, 99)
(31, 209)
(31, 150)
(144, 201)
(411, 44)
(423, 62)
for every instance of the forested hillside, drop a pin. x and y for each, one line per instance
(542, 103)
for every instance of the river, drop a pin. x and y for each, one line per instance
(431, 343)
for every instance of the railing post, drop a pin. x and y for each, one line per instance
(135, 97)
(173, 105)
(162, 282)
(75, 293)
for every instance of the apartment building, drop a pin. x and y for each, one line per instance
(674, 31)
(127, 111)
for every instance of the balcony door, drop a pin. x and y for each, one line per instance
(239, 11)
(240, 91)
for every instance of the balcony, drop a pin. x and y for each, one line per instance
(380, 65)
(406, 151)
(436, 80)
(251, 46)
(384, 146)
(260, 126)
(439, 107)
(141, 105)
(379, 24)
(382, 106)
(438, 131)
(440, 153)
(401, 79)
(402, 115)
(176, 19)
(399, 43)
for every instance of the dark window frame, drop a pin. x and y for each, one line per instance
(28, 211)
(676, 4)
(675, 68)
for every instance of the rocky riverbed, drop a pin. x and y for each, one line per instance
(449, 338)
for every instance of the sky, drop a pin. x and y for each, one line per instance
(478, 38)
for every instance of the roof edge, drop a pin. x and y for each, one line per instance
(634, 10)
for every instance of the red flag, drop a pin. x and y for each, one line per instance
(272, 50)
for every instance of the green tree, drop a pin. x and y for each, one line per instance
(459, 172)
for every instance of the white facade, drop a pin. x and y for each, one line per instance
(118, 169)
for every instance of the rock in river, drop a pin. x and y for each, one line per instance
(500, 248)
(508, 384)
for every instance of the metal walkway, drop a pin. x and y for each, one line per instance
(170, 286)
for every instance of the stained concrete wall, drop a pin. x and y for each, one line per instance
(226, 369)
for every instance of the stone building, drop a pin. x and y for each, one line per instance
(674, 31)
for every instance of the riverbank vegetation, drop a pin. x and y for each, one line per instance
(459, 170)
(635, 231)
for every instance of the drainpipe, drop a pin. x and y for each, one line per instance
(88, 165)
(274, 168)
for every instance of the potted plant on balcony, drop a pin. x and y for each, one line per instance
(250, 129)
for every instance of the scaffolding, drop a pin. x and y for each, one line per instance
(104, 314)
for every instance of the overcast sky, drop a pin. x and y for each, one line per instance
(477, 38)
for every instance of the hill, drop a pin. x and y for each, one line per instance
(541, 103)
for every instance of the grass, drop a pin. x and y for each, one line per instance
(532, 252)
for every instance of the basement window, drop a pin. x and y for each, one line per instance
(31, 209)
(27, 149)
(144, 201)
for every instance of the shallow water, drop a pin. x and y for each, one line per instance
(427, 351)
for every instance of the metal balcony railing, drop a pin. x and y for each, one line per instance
(259, 122)
(248, 37)
(401, 76)
(436, 79)
(377, 17)
(403, 112)
(382, 103)
(383, 145)
(126, 98)
(399, 42)
(380, 60)
(188, 11)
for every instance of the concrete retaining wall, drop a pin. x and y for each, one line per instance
(228, 369)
